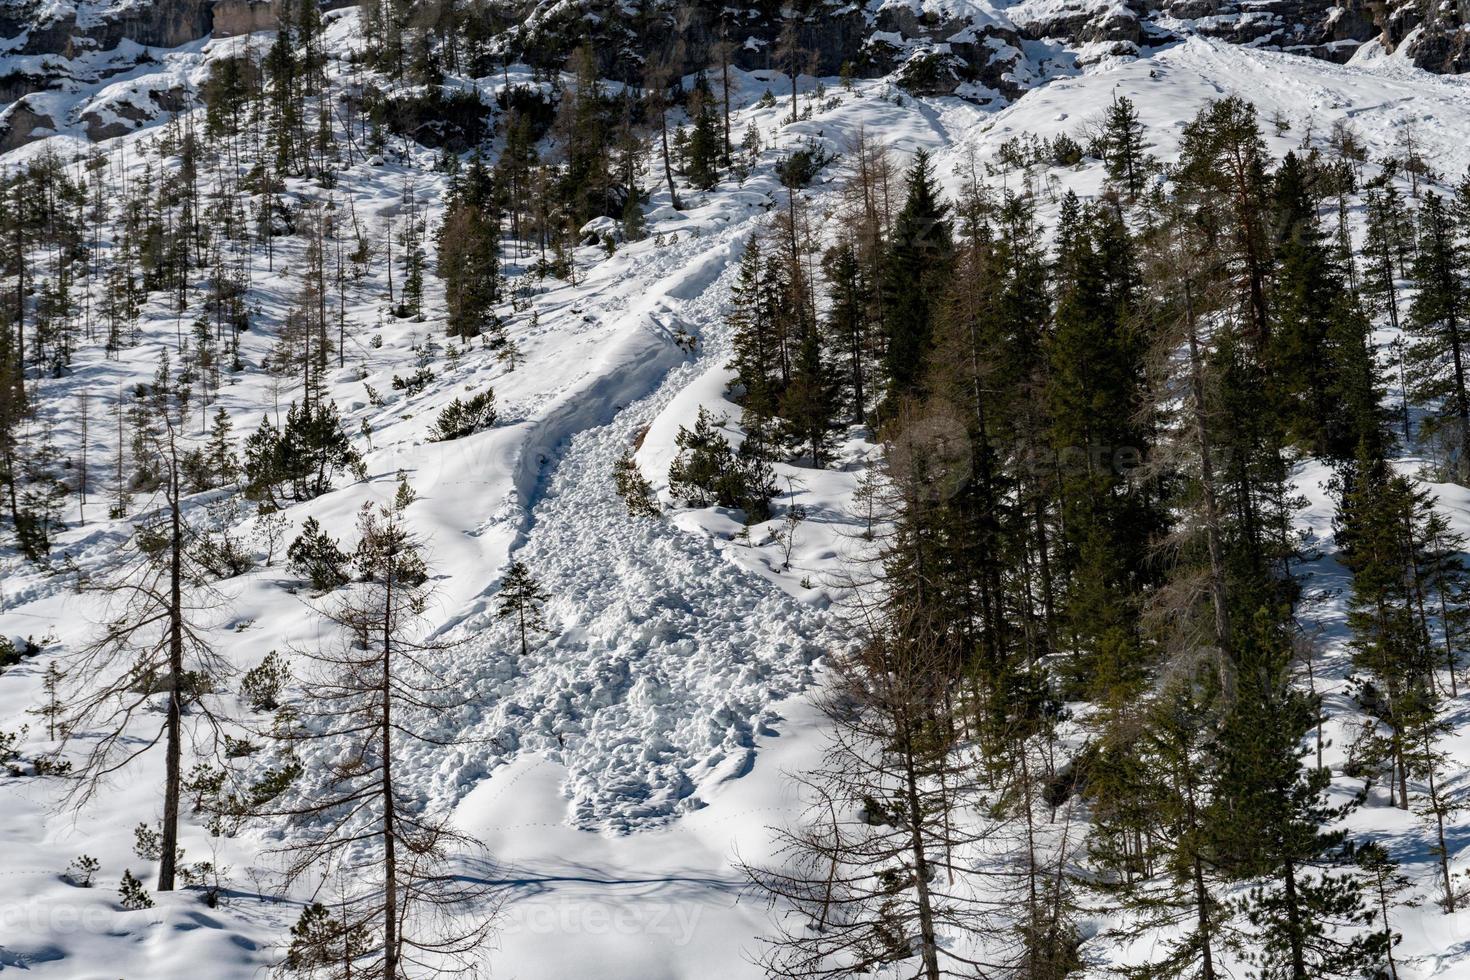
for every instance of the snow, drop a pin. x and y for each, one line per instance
(666, 903)
(618, 771)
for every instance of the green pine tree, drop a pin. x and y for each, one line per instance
(1124, 142)
(1439, 334)
(917, 259)
(521, 599)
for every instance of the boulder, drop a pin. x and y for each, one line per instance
(20, 123)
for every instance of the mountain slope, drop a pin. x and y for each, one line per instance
(617, 772)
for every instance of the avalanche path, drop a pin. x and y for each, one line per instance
(666, 657)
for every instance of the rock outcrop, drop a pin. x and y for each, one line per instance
(1434, 34)
(68, 29)
(977, 49)
(19, 124)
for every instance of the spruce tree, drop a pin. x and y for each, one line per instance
(468, 246)
(811, 402)
(1444, 582)
(1152, 840)
(917, 258)
(219, 451)
(1094, 404)
(847, 323)
(1437, 326)
(1304, 302)
(1385, 249)
(1390, 646)
(521, 598)
(1274, 829)
(756, 344)
(1126, 149)
(705, 143)
(1318, 362)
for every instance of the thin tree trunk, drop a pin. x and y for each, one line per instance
(725, 94)
(1218, 597)
(1444, 853)
(929, 949)
(390, 854)
(663, 127)
(1393, 970)
(173, 748)
(1462, 399)
(1294, 922)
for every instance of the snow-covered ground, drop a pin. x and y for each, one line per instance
(617, 771)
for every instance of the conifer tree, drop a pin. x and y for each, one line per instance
(810, 403)
(1444, 582)
(708, 472)
(848, 323)
(1390, 645)
(1386, 884)
(870, 868)
(1223, 168)
(219, 451)
(302, 460)
(411, 299)
(374, 693)
(521, 597)
(1124, 142)
(634, 488)
(705, 148)
(1151, 839)
(39, 517)
(1437, 326)
(1094, 406)
(754, 312)
(468, 243)
(1386, 247)
(1429, 763)
(1273, 827)
(917, 259)
(1316, 362)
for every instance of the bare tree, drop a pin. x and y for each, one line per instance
(880, 867)
(722, 50)
(656, 85)
(793, 55)
(375, 694)
(153, 643)
(84, 403)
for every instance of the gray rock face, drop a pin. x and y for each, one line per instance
(19, 123)
(1319, 28)
(937, 54)
(235, 17)
(124, 117)
(1443, 41)
(986, 57)
(49, 38)
(102, 26)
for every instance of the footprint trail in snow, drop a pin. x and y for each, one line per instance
(667, 656)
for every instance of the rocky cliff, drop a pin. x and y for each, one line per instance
(982, 49)
(1434, 34)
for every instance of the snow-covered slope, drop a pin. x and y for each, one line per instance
(617, 771)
